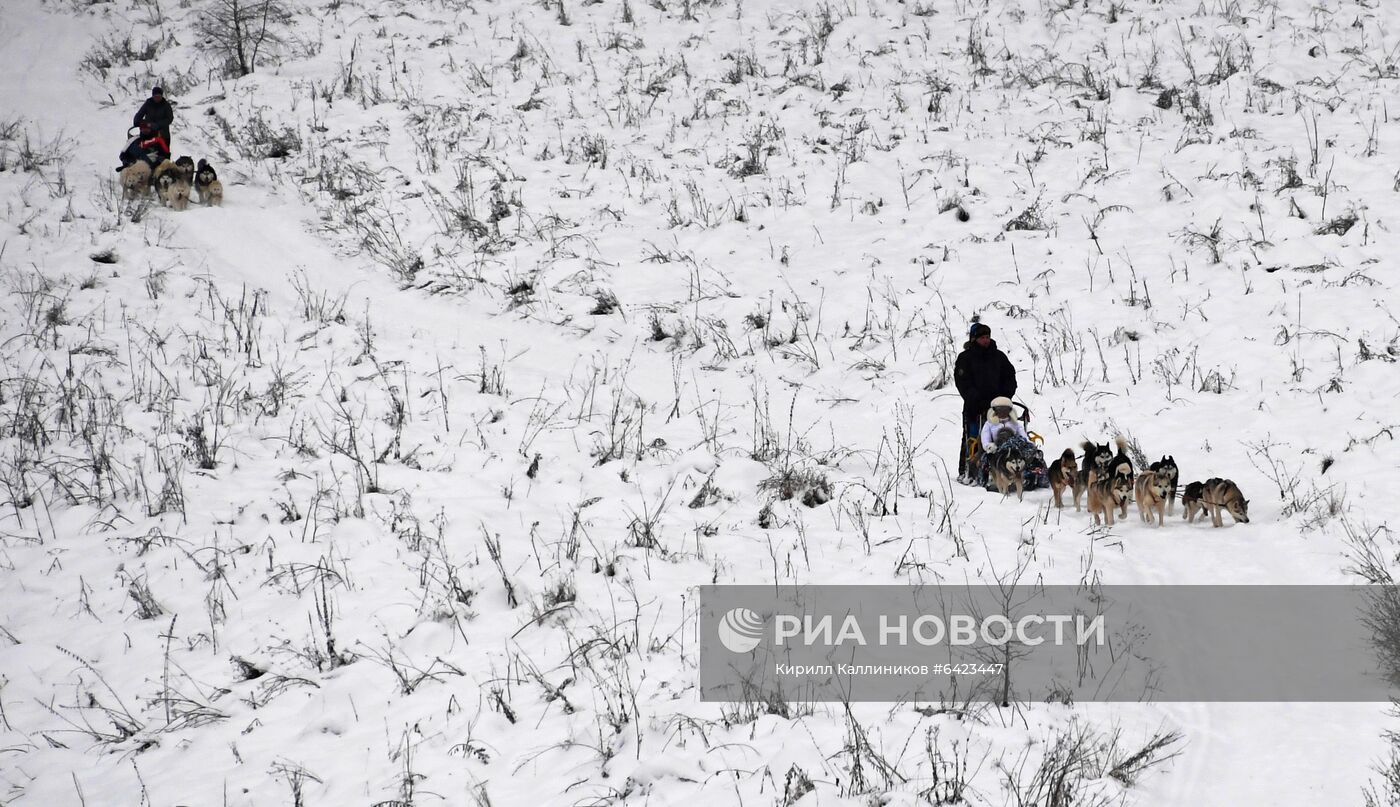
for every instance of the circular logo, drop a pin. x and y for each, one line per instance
(741, 630)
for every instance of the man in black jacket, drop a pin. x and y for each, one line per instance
(982, 372)
(157, 112)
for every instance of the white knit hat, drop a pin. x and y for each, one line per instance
(992, 412)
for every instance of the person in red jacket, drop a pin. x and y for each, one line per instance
(148, 146)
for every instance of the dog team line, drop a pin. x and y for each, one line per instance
(1111, 482)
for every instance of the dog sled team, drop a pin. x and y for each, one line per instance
(1110, 481)
(998, 452)
(146, 164)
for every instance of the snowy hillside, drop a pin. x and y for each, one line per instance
(390, 480)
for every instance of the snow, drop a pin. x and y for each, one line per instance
(394, 341)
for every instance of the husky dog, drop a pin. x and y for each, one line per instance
(177, 196)
(173, 190)
(136, 179)
(1222, 494)
(163, 177)
(1150, 490)
(1166, 470)
(1121, 467)
(1009, 471)
(166, 166)
(1063, 475)
(1121, 463)
(1109, 492)
(1191, 501)
(173, 184)
(1096, 459)
(206, 181)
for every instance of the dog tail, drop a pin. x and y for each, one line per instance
(1122, 443)
(1088, 446)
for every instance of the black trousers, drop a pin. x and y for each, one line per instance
(972, 427)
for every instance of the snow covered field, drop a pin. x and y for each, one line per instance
(389, 481)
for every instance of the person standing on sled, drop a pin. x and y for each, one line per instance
(148, 146)
(158, 113)
(982, 372)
